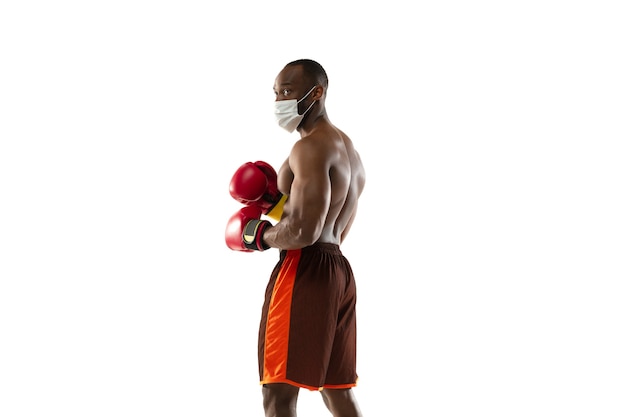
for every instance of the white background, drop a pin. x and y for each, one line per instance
(489, 251)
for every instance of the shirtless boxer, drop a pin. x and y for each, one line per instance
(307, 335)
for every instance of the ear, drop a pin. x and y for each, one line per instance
(318, 93)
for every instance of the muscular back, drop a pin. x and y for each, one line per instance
(324, 177)
(346, 187)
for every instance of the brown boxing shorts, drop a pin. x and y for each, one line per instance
(307, 334)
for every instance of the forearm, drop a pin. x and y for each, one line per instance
(286, 235)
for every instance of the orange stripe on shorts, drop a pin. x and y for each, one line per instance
(278, 321)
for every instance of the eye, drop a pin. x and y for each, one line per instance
(286, 92)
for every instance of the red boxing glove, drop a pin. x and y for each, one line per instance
(255, 184)
(244, 231)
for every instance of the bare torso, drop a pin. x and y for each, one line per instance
(341, 164)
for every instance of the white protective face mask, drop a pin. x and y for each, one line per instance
(286, 112)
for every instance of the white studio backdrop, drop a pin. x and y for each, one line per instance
(489, 248)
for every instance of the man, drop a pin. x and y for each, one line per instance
(307, 336)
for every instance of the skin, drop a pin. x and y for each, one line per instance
(323, 177)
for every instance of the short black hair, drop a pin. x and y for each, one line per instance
(313, 70)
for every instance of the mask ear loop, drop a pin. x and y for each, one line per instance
(305, 96)
(309, 108)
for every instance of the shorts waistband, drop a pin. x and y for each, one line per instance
(331, 248)
(319, 247)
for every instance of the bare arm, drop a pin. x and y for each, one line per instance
(309, 199)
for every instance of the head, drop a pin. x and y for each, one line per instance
(297, 79)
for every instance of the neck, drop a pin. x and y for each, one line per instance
(312, 121)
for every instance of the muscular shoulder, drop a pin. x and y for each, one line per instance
(322, 145)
